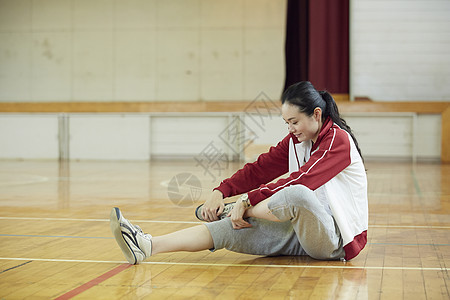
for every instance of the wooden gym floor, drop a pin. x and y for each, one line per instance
(55, 239)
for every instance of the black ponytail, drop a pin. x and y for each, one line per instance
(307, 98)
(332, 111)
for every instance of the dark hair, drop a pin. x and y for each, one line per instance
(307, 98)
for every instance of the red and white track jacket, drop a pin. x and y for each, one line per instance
(332, 167)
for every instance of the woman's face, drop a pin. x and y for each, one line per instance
(304, 127)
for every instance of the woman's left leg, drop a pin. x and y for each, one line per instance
(316, 229)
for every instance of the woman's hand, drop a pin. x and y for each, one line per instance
(237, 216)
(213, 207)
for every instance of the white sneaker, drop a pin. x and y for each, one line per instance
(134, 243)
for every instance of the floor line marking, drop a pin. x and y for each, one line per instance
(12, 268)
(93, 282)
(96, 220)
(111, 238)
(406, 244)
(410, 226)
(416, 183)
(197, 222)
(57, 236)
(343, 266)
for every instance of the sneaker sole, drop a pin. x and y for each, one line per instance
(117, 232)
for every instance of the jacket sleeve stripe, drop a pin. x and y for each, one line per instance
(306, 172)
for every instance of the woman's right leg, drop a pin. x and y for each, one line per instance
(263, 238)
(191, 239)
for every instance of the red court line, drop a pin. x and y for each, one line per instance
(93, 282)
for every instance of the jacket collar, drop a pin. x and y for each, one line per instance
(327, 124)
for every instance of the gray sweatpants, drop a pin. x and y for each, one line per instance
(306, 228)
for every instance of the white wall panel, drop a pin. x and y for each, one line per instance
(178, 14)
(94, 15)
(428, 132)
(396, 135)
(51, 81)
(399, 49)
(141, 136)
(136, 14)
(135, 65)
(263, 63)
(92, 77)
(383, 136)
(141, 50)
(186, 136)
(108, 137)
(221, 64)
(264, 14)
(15, 66)
(15, 15)
(51, 15)
(178, 63)
(265, 129)
(29, 137)
(222, 14)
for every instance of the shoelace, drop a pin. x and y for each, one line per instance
(138, 228)
(144, 235)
